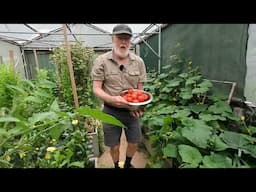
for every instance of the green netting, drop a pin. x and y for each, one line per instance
(218, 49)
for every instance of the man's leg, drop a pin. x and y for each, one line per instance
(114, 152)
(131, 150)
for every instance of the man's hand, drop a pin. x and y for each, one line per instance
(137, 113)
(119, 101)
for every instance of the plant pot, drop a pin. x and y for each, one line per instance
(94, 142)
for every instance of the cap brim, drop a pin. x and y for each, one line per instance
(122, 32)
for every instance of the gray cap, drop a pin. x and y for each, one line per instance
(122, 29)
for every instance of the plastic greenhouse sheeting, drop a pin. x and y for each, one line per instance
(218, 49)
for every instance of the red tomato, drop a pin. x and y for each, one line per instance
(129, 99)
(145, 96)
(130, 91)
(141, 98)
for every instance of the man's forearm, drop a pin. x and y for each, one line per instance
(102, 95)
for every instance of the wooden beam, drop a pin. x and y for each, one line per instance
(70, 67)
(11, 56)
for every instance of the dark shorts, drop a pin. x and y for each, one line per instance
(113, 133)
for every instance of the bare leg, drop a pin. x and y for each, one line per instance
(130, 151)
(114, 152)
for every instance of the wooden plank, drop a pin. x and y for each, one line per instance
(11, 56)
(36, 59)
(70, 67)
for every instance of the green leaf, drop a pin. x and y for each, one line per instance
(157, 121)
(183, 75)
(42, 94)
(219, 107)
(162, 76)
(252, 129)
(33, 99)
(234, 140)
(216, 161)
(55, 106)
(188, 165)
(190, 154)
(182, 113)
(230, 115)
(198, 133)
(57, 130)
(18, 130)
(186, 93)
(211, 117)
(198, 108)
(175, 82)
(199, 90)
(42, 116)
(16, 88)
(170, 150)
(205, 84)
(167, 89)
(250, 149)
(166, 110)
(95, 113)
(9, 119)
(79, 164)
(3, 132)
(218, 144)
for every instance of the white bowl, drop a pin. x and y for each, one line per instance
(137, 105)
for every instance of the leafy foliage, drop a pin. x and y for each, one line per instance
(82, 58)
(189, 124)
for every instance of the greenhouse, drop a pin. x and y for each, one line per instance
(199, 105)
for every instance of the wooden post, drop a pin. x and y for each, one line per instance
(36, 59)
(70, 67)
(11, 56)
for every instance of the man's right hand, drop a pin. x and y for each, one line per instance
(119, 101)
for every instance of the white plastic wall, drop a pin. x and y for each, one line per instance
(5, 47)
(250, 83)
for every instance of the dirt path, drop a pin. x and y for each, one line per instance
(105, 161)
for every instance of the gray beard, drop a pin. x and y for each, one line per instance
(121, 54)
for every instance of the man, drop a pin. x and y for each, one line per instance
(114, 72)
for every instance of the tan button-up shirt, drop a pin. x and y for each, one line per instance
(106, 69)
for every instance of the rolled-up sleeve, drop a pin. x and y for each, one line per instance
(97, 72)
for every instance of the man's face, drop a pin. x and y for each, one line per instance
(121, 44)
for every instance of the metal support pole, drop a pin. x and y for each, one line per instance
(159, 49)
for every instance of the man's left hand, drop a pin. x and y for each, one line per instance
(137, 113)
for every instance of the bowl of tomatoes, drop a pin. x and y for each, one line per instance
(136, 98)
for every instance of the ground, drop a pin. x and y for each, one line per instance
(139, 160)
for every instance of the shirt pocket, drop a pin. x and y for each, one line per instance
(133, 78)
(113, 77)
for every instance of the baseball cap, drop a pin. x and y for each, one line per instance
(122, 29)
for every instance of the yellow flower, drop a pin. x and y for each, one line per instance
(74, 122)
(47, 156)
(7, 158)
(51, 149)
(22, 154)
(37, 149)
(242, 118)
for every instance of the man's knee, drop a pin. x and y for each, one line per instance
(115, 148)
(132, 145)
